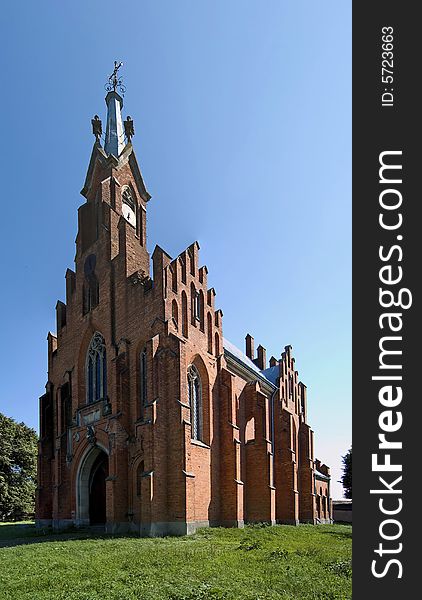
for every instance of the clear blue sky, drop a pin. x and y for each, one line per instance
(242, 114)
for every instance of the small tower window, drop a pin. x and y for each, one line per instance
(195, 401)
(96, 369)
(129, 207)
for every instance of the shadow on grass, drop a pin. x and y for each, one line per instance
(16, 534)
(347, 535)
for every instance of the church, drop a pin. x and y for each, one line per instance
(151, 421)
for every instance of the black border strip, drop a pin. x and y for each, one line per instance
(385, 124)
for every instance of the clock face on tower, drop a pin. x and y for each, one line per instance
(128, 207)
(129, 214)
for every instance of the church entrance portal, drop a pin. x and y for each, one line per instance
(91, 488)
(97, 490)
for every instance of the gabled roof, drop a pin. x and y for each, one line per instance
(98, 155)
(321, 476)
(272, 373)
(246, 362)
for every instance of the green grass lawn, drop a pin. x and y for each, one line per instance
(255, 563)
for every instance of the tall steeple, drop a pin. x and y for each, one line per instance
(116, 153)
(114, 140)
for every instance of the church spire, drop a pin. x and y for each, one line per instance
(114, 140)
(117, 149)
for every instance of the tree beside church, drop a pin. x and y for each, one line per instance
(18, 469)
(346, 478)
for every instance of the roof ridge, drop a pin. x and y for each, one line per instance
(240, 356)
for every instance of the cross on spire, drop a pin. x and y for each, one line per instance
(114, 81)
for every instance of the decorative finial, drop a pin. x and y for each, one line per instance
(129, 128)
(114, 81)
(97, 128)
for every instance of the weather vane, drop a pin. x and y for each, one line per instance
(115, 82)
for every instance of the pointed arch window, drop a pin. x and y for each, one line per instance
(195, 401)
(175, 312)
(96, 369)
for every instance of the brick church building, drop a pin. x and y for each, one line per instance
(151, 420)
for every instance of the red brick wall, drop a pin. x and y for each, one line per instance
(157, 473)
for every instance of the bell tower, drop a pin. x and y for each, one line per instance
(112, 222)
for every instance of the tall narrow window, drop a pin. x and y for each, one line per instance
(294, 438)
(184, 314)
(195, 401)
(209, 330)
(191, 262)
(143, 378)
(183, 264)
(141, 226)
(90, 290)
(290, 386)
(195, 305)
(66, 406)
(104, 375)
(90, 381)
(173, 271)
(175, 312)
(201, 310)
(96, 369)
(217, 344)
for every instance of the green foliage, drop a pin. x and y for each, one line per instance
(204, 591)
(248, 544)
(278, 554)
(341, 567)
(287, 563)
(346, 479)
(18, 469)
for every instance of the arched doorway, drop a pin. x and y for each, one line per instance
(97, 490)
(91, 488)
